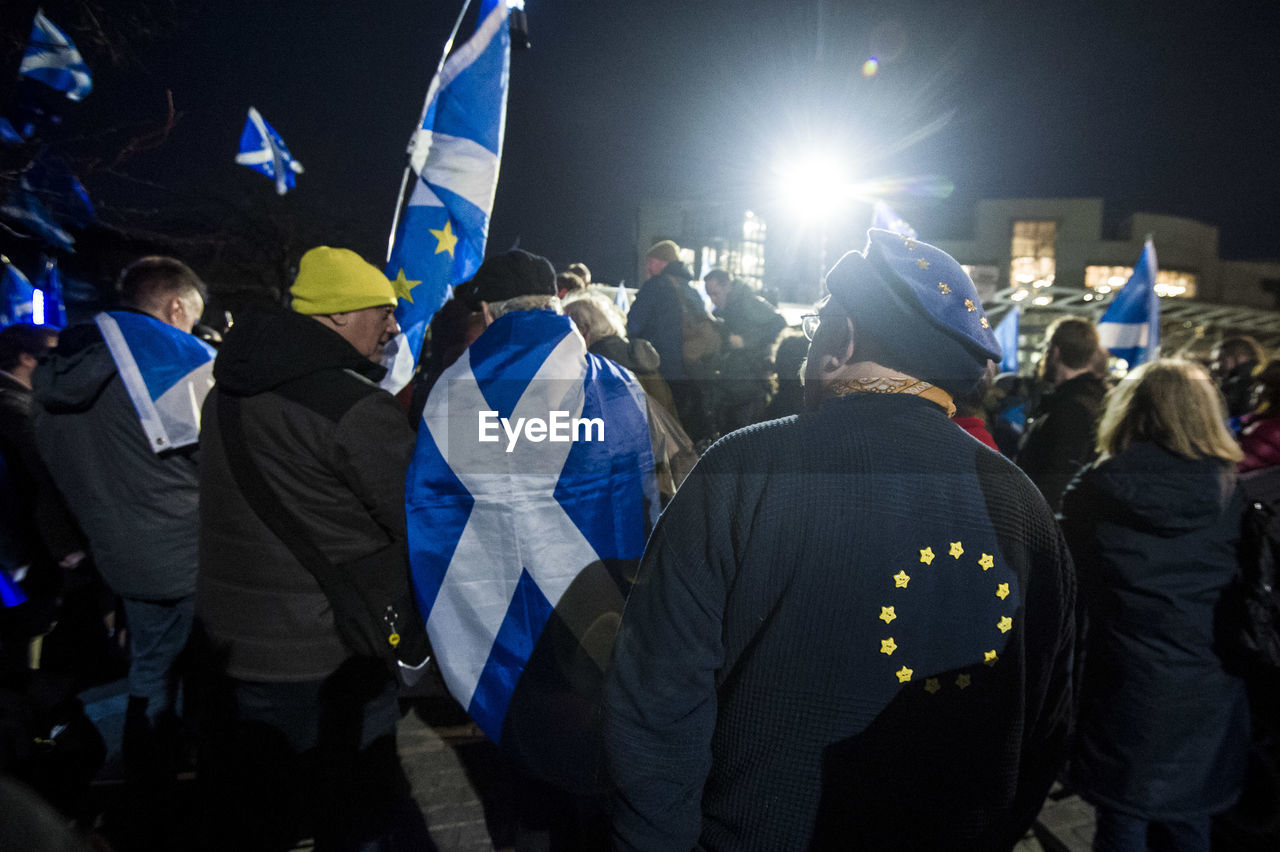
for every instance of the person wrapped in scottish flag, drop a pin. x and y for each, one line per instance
(529, 498)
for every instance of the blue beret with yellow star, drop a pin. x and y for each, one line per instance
(921, 307)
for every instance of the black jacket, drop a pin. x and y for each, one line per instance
(1060, 435)
(138, 509)
(335, 447)
(656, 316)
(1162, 729)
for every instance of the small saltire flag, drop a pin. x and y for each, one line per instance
(262, 150)
(509, 538)
(455, 153)
(166, 371)
(1130, 328)
(886, 218)
(19, 296)
(25, 208)
(1007, 336)
(52, 59)
(49, 287)
(622, 298)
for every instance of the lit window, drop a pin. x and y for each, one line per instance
(1032, 256)
(1169, 282)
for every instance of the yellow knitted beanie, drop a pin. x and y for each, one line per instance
(334, 280)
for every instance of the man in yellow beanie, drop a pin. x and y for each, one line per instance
(303, 587)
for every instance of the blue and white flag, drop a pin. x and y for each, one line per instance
(454, 153)
(19, 296)
(504, 516)
(1130, 328)
(52, 59)
(166, 371)
(24, 208)
(886, 218)
(262, 150)
(1007, 336)
(49, 292)
(622, 299)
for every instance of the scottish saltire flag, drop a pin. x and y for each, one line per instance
(1007, 336)
(886, 218)
(25, 208)
(49, 290)
(622, 299)
(19, 296)
(262, 150)
(454, 153)
(52, 59)
(1130, 328)
(166, 371)
(500, 529)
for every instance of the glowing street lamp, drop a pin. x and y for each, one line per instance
(815, 187)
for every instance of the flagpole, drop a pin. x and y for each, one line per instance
(404, 178)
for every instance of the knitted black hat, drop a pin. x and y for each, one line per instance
(506, 276)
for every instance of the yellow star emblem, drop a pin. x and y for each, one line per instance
(987, 561)
(943, 288)
(404, 287)
(1002, 591)
(909, 243)
(956, 550)
(969, 306)
(989, 658)
(922, 263)
(446, 239)
(904, 674)
(931, 685)
(926, 556)
(901, 579)
(888, 646)
(1005, 624)
(983, 322)
(887, 614)
(962, 681)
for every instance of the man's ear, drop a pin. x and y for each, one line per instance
(830, 363)
(488, 317)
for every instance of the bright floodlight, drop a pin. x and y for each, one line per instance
(815, 187)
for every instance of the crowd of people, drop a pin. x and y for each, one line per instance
(839, 586)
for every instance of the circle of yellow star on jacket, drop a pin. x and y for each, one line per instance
(1002, 591)
(956, 550)
(446, 239)
(989, 658)
(888, 646)
(926, 556)
(931, 685)
(987, 561)
(887, 614)
(904, 674)
(901, 579)
(963, 680)
(1005, 624)
(404, 286)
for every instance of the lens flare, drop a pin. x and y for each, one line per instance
(870, 67)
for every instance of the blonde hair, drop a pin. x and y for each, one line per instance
(595, 315)
(1170, 402)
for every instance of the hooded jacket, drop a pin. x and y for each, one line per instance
(1162, 729)
(335, 447)
(139, 509)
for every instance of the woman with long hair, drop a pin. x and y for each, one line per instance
(1163, 729)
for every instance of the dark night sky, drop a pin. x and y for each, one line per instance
(1161, 107)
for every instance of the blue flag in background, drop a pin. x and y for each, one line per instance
(50, 286)
(166, 371)
(19, 296)
(1007, 336)
(886, 218)
(1130, 328)
(455, 154)
(262, 150)
(499, 529)
(52, 59)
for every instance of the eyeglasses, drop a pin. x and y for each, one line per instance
(809, 324)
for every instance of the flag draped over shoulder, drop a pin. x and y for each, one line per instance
(19, 296)
(1130, 328)
(499, 531)
(1007, 336)
(52, 59)
(262, 150)
(886, 218)
(454, 153)
(166, 371)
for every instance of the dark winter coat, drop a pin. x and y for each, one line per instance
(641, 358)
(139, 509)
(656, 315)
(1059, 437)
(1162, 729)
(335, 447)
(757, 699)
(1260, 440)
(753, 319)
